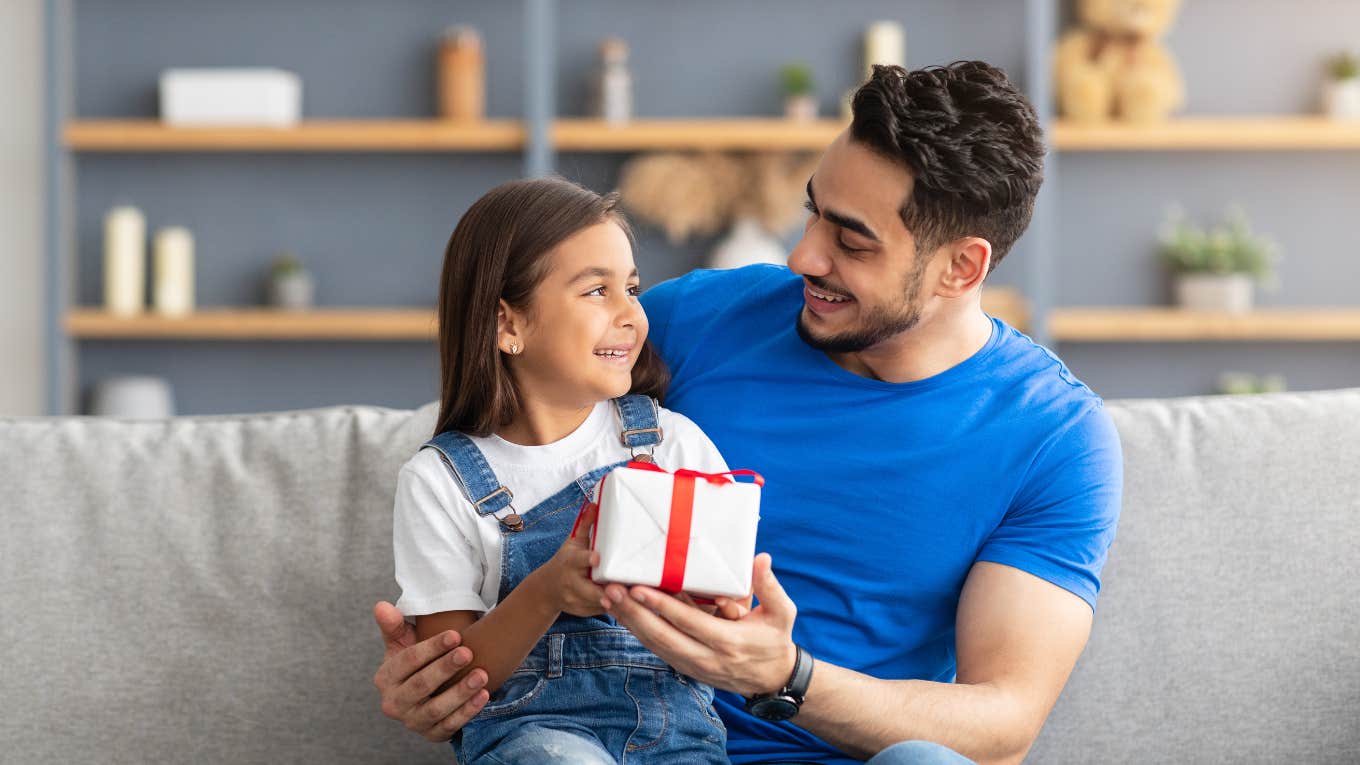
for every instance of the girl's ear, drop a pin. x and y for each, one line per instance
(509, 329)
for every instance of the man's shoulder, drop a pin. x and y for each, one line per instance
(1039, 384)
(717, 290)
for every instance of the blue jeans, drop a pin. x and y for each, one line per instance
(595, 697)
(918, 753)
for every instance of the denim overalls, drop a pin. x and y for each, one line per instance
(588, 692)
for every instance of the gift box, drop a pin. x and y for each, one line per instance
(270, 97)
(684, 531)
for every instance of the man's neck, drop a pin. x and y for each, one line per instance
(924, 351)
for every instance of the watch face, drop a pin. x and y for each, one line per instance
(774, 708)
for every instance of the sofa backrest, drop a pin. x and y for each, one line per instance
(200, 588)
(1228, 625)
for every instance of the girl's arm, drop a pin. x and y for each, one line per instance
(501, 639)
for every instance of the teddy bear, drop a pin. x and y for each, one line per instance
(1114, 65)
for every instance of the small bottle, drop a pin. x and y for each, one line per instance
(615, 86)
(462, 76)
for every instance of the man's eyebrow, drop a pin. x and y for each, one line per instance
(844, 221)
(596, 272)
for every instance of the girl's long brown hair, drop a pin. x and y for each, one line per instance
(499, 250)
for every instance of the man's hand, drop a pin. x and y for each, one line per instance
(412, 674)
(750, 654)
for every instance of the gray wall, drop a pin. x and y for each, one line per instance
(21, 208)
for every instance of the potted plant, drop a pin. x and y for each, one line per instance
(1239, 383)
(1341, 93)
(1215, 269)
(290, 285)
(800, 98)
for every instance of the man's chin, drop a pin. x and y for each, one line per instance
(823, 342)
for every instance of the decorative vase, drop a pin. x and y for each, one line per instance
(746, 244)
(174, 279)
(1341, 99)
(801, 108)
(1231, 293)
(292, 291)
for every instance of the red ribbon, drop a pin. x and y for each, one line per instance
(677, 534)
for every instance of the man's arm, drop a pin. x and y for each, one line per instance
(1018, 638)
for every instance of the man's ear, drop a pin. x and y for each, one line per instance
(509, 328)
(970, 258)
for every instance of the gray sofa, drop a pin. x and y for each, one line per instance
(199, 589)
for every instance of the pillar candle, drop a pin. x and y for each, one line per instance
(174, 284)
(124, 261)
(884, 43)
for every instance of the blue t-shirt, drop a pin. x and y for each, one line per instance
(879, 496)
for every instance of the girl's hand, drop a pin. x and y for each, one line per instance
(566, 575)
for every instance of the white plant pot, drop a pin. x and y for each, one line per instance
(133, 398)
(1341, 99)
(747, 243)
(1231, 293)
(801, 108)
(293, 292)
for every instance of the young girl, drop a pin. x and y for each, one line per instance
(548, 383)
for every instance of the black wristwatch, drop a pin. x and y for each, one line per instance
(785, 703)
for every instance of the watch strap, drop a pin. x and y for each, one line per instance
(801, 677)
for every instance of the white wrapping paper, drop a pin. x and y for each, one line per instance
(634, 522)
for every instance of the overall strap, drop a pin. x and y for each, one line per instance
(640, 416)
(471, 472)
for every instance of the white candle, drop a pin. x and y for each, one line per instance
(124, 261)
(884, 43)
(174, 286)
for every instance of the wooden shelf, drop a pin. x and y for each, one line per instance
(1211, 134)
(709, 134)
(320, 135)
(1117, 325)
(736, 134)
(336, 323)
(259, 324)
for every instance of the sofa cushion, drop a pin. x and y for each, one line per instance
(200, 589)
(1228, 626)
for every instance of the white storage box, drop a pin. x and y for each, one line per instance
(705, 547)
(230, 97)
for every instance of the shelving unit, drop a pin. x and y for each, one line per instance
(541, 133)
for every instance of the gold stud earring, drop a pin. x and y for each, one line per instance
(514, 349)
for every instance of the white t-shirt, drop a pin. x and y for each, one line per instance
(448, 558)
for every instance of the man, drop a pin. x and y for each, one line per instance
(941, 492)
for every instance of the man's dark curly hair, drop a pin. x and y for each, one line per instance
(971, 141)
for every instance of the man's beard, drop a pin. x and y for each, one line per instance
(877, 324)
